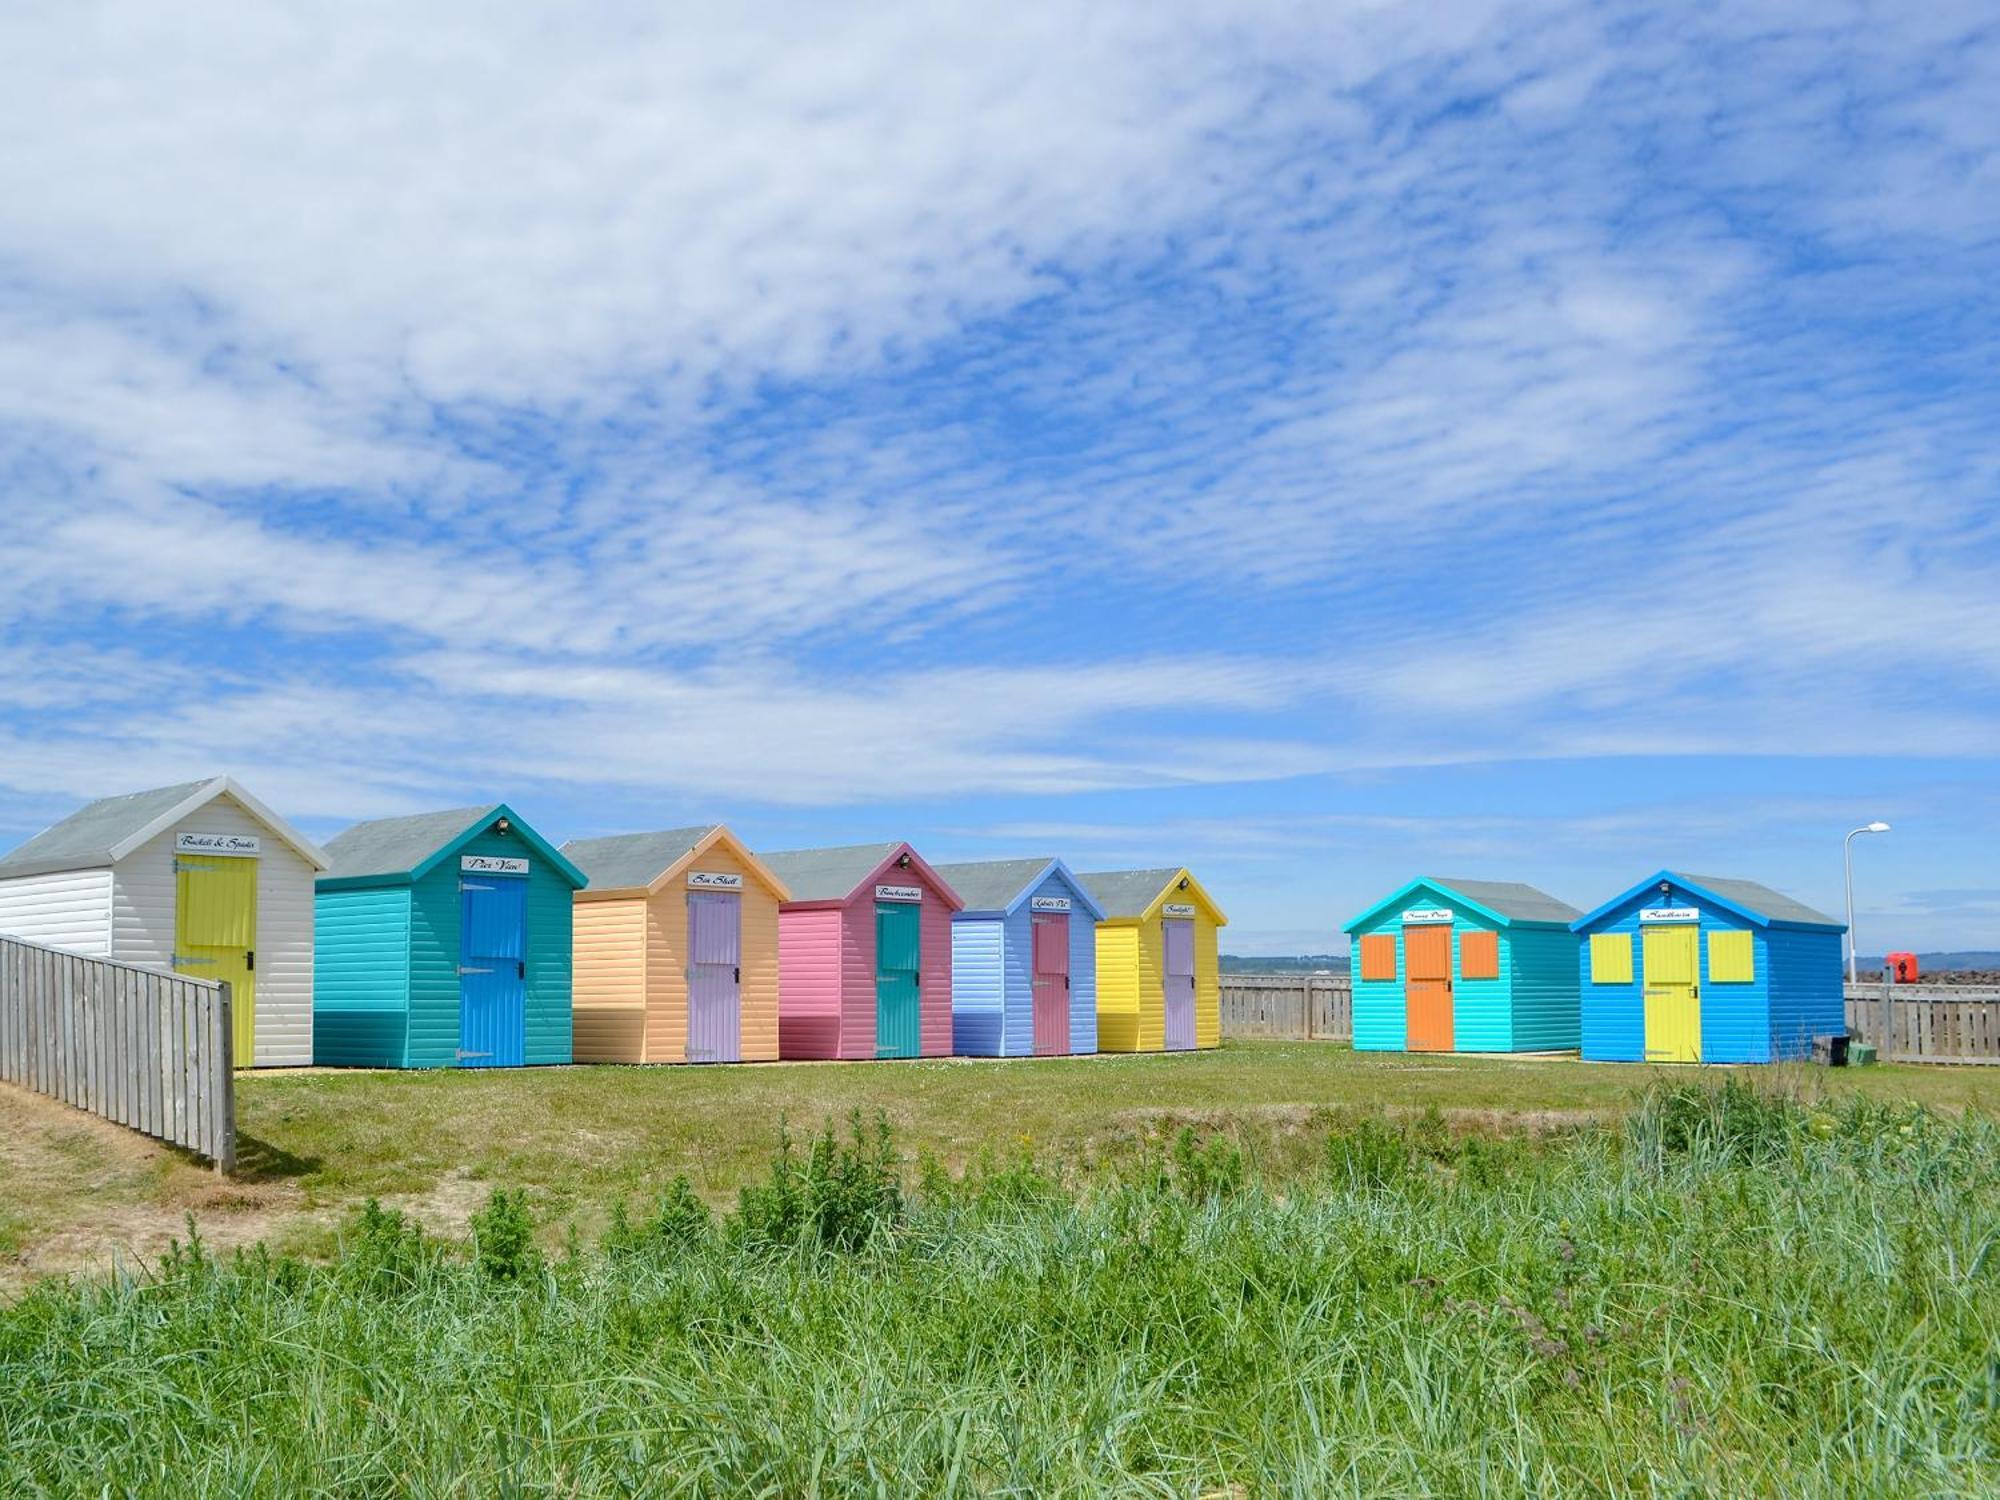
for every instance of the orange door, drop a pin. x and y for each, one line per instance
(1427, 987)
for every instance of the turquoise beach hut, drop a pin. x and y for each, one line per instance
(1698, 968)
(1465, 966)
(443, 940)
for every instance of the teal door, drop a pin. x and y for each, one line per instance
(898, 1027)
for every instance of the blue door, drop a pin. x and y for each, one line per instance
(492, 972)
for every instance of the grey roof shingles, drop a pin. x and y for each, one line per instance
(1761, 899)
(396, 846)
(1127, 893)
(1512, 900)
(626, 860)
(991, 884)
(84, 840)
(827, 874)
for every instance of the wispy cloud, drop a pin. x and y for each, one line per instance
(944, 404)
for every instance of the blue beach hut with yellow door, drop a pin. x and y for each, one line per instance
(444, 940)
(1700, 968)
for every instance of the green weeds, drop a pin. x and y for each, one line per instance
(1733, 1293)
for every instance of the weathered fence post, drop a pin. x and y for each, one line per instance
(1888, 1012)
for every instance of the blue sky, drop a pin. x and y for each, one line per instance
(1320, 444)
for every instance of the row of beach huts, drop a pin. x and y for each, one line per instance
(1676, 968)
(464, 938)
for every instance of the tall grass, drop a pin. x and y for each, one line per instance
(1733, 1294)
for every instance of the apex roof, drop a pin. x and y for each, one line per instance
(634, 859)
(1130, 894)
(105, 831)
(998, 885)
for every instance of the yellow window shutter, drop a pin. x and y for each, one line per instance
(1732, 958)
(1611, 958)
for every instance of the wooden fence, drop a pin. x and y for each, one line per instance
(1932, 1023)
(140, 1047)
(1299, 1007)
(1927, 1022)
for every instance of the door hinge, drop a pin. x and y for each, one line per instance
(188, 961)
(469, 969)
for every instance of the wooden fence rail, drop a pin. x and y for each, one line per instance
(1932, 1023)
(1300, 1007)
(1927, 1022)
(141, 1047)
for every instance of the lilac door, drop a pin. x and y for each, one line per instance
(715, 954)
(1178, 940)
(1051, 983)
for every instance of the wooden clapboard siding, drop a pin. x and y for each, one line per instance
(809, 979)
(609, 1001)
(68, 909)
(1117, 987)
(361, 977)
(137, 1046)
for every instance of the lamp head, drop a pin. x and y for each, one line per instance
(1878, 827)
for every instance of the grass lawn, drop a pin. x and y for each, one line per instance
(75, 1191)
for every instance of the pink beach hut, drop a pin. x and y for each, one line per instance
(864, 953)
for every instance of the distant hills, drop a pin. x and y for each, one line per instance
(1304, 963)
(1937, 963)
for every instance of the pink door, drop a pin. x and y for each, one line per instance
(1178, 940)
(715, 953)
(1051, 942)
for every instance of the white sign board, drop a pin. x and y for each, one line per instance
(714, 880)
(1177, 909)
(240, 845)
(1048, 903)
(1670, 914)
(1420, 916)
(899, 893)
(491, 864)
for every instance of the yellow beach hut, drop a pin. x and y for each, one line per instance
(676, 949)
(1158, 974)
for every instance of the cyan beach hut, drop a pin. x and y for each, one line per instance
(444, 941)
(1699, 968)
(1465, 966)
(1023, 959)
(864, 953)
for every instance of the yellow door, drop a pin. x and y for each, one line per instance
(1673, 994)
(215, 935)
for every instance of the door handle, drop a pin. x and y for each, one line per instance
(520, 968)
(250, 960)
(737, 974)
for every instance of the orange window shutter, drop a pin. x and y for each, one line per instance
(1378, 956)
(1479, 955)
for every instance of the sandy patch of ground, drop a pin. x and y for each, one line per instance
(81, 1195)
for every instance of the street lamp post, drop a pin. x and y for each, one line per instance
(1847, 857)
